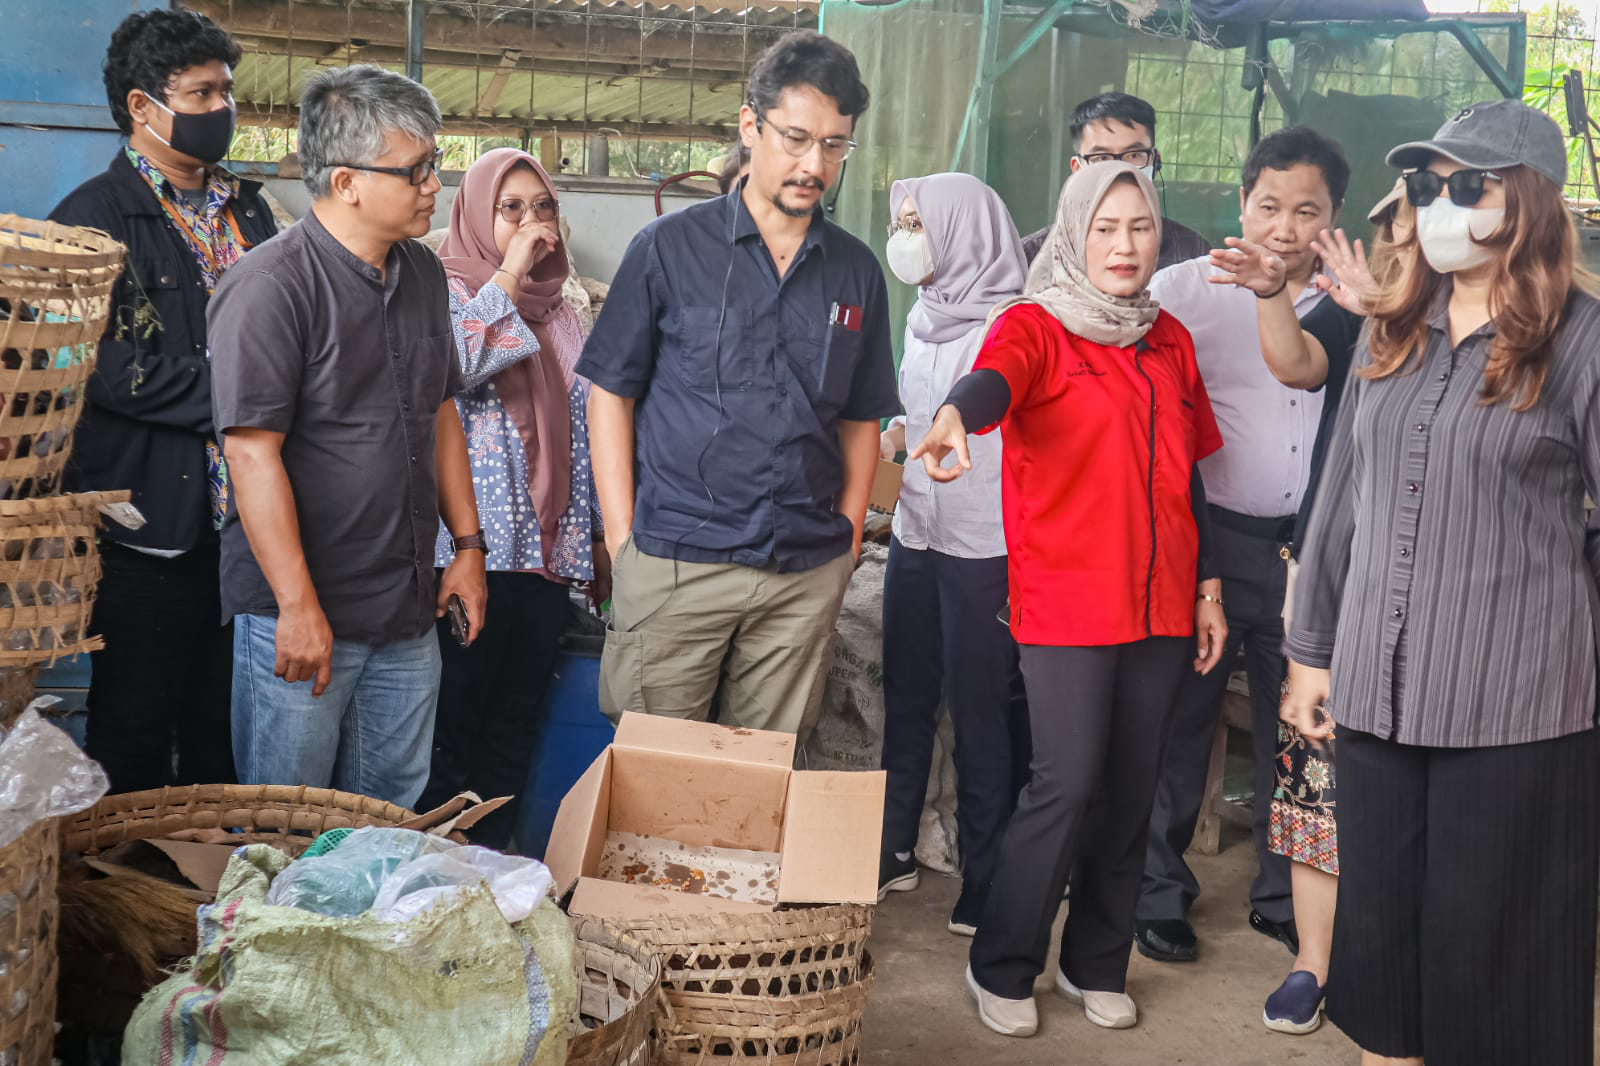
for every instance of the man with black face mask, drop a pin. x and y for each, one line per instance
(164, 677)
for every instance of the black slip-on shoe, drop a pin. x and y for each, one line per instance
(1284, 933)
(1166, 940)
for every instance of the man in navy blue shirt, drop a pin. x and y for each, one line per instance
(740, 370)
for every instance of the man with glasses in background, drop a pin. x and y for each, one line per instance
(740, 369)
(1118, 127)
(334, 377)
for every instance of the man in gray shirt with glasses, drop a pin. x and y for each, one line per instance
(334, 375)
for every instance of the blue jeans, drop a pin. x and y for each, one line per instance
(370, 732)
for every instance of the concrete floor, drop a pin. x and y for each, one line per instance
(1206, 1013)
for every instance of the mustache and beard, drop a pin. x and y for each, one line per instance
(799, 183)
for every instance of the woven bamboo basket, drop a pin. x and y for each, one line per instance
(619, 983)
(814, 1029)
(287, 816)
(49, 568)
(28, 946)
(772, 953)
(55, 301)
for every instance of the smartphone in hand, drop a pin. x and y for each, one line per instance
(456, 612)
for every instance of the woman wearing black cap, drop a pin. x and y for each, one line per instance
(1449, 580)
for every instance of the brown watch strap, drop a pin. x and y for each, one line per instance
(475, 540)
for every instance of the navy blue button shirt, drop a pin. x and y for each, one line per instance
(736, 446)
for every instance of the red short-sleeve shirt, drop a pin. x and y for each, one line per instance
(1100, 443)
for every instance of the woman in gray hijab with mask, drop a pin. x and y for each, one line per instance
(1111, 594)
(944, 593)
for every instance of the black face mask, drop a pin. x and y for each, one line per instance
(205, 137)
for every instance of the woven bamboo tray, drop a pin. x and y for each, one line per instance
(55, 300)
(774, 953)
(49, 568)
(619, 983)
(814, 1029)
(287, 816)
(28, 946)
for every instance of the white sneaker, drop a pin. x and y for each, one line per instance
(1109, 1010)
(1008, 1017)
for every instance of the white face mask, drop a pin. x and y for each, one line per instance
(909, 257)
(1447, 230)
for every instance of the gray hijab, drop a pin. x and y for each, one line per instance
(1058, 281)
(977, 255)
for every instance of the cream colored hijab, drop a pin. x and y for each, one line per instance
(1058, 282)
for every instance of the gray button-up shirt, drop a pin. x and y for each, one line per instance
(1449, 574)
(351, 364)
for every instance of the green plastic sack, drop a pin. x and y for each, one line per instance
(273, 986)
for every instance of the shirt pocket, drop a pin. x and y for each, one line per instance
(711, 348)
(841, 353)
(429, 360)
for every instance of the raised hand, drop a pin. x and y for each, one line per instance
(1352, 285)
(1248, 266)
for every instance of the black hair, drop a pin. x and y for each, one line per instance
(1128, 110)
(806, 58)
(1296, 145)
(737, 159)
(151, 48)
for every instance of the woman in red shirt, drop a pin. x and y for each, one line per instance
(1104, 416)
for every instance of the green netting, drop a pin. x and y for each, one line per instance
(988, 87)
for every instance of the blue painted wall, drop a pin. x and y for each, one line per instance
(55, 128)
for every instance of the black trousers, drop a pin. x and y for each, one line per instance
(491, 699)
(1099, 717)
(1246, 552)
(944, 640)
(1465, 931)
(165, 676)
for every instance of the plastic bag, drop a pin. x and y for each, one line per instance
(517, 883)
(43, 774)
(399, 873)
(343, 883)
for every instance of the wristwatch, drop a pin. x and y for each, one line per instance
(474, 540)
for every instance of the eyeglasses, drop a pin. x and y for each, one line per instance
(1134, 157)
(797, 142)
(910, 225)
(1466, 186)
(513, 209)
(417, 173)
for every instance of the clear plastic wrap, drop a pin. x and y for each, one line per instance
(517, 883)
(342, 883)
(398, 873)
(43, 774)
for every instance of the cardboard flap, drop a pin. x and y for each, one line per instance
(620, 902)
(885, 493)
(704, 740)
(580, 827)
(832, 830)
(696, 801)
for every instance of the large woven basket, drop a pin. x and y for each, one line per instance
(771, 953)
(55, 301)
(287, 816)
(619, 982)
(28, 947)
(49, 568)
(814, 1029)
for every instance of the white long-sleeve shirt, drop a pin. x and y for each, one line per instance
(961, 518)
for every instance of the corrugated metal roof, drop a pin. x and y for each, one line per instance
(688, 69)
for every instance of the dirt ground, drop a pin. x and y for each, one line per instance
(1205, 1013)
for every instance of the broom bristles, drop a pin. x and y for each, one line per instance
(144, 919)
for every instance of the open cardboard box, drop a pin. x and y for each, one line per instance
(706, 785)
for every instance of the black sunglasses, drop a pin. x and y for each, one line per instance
(1466, 186)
